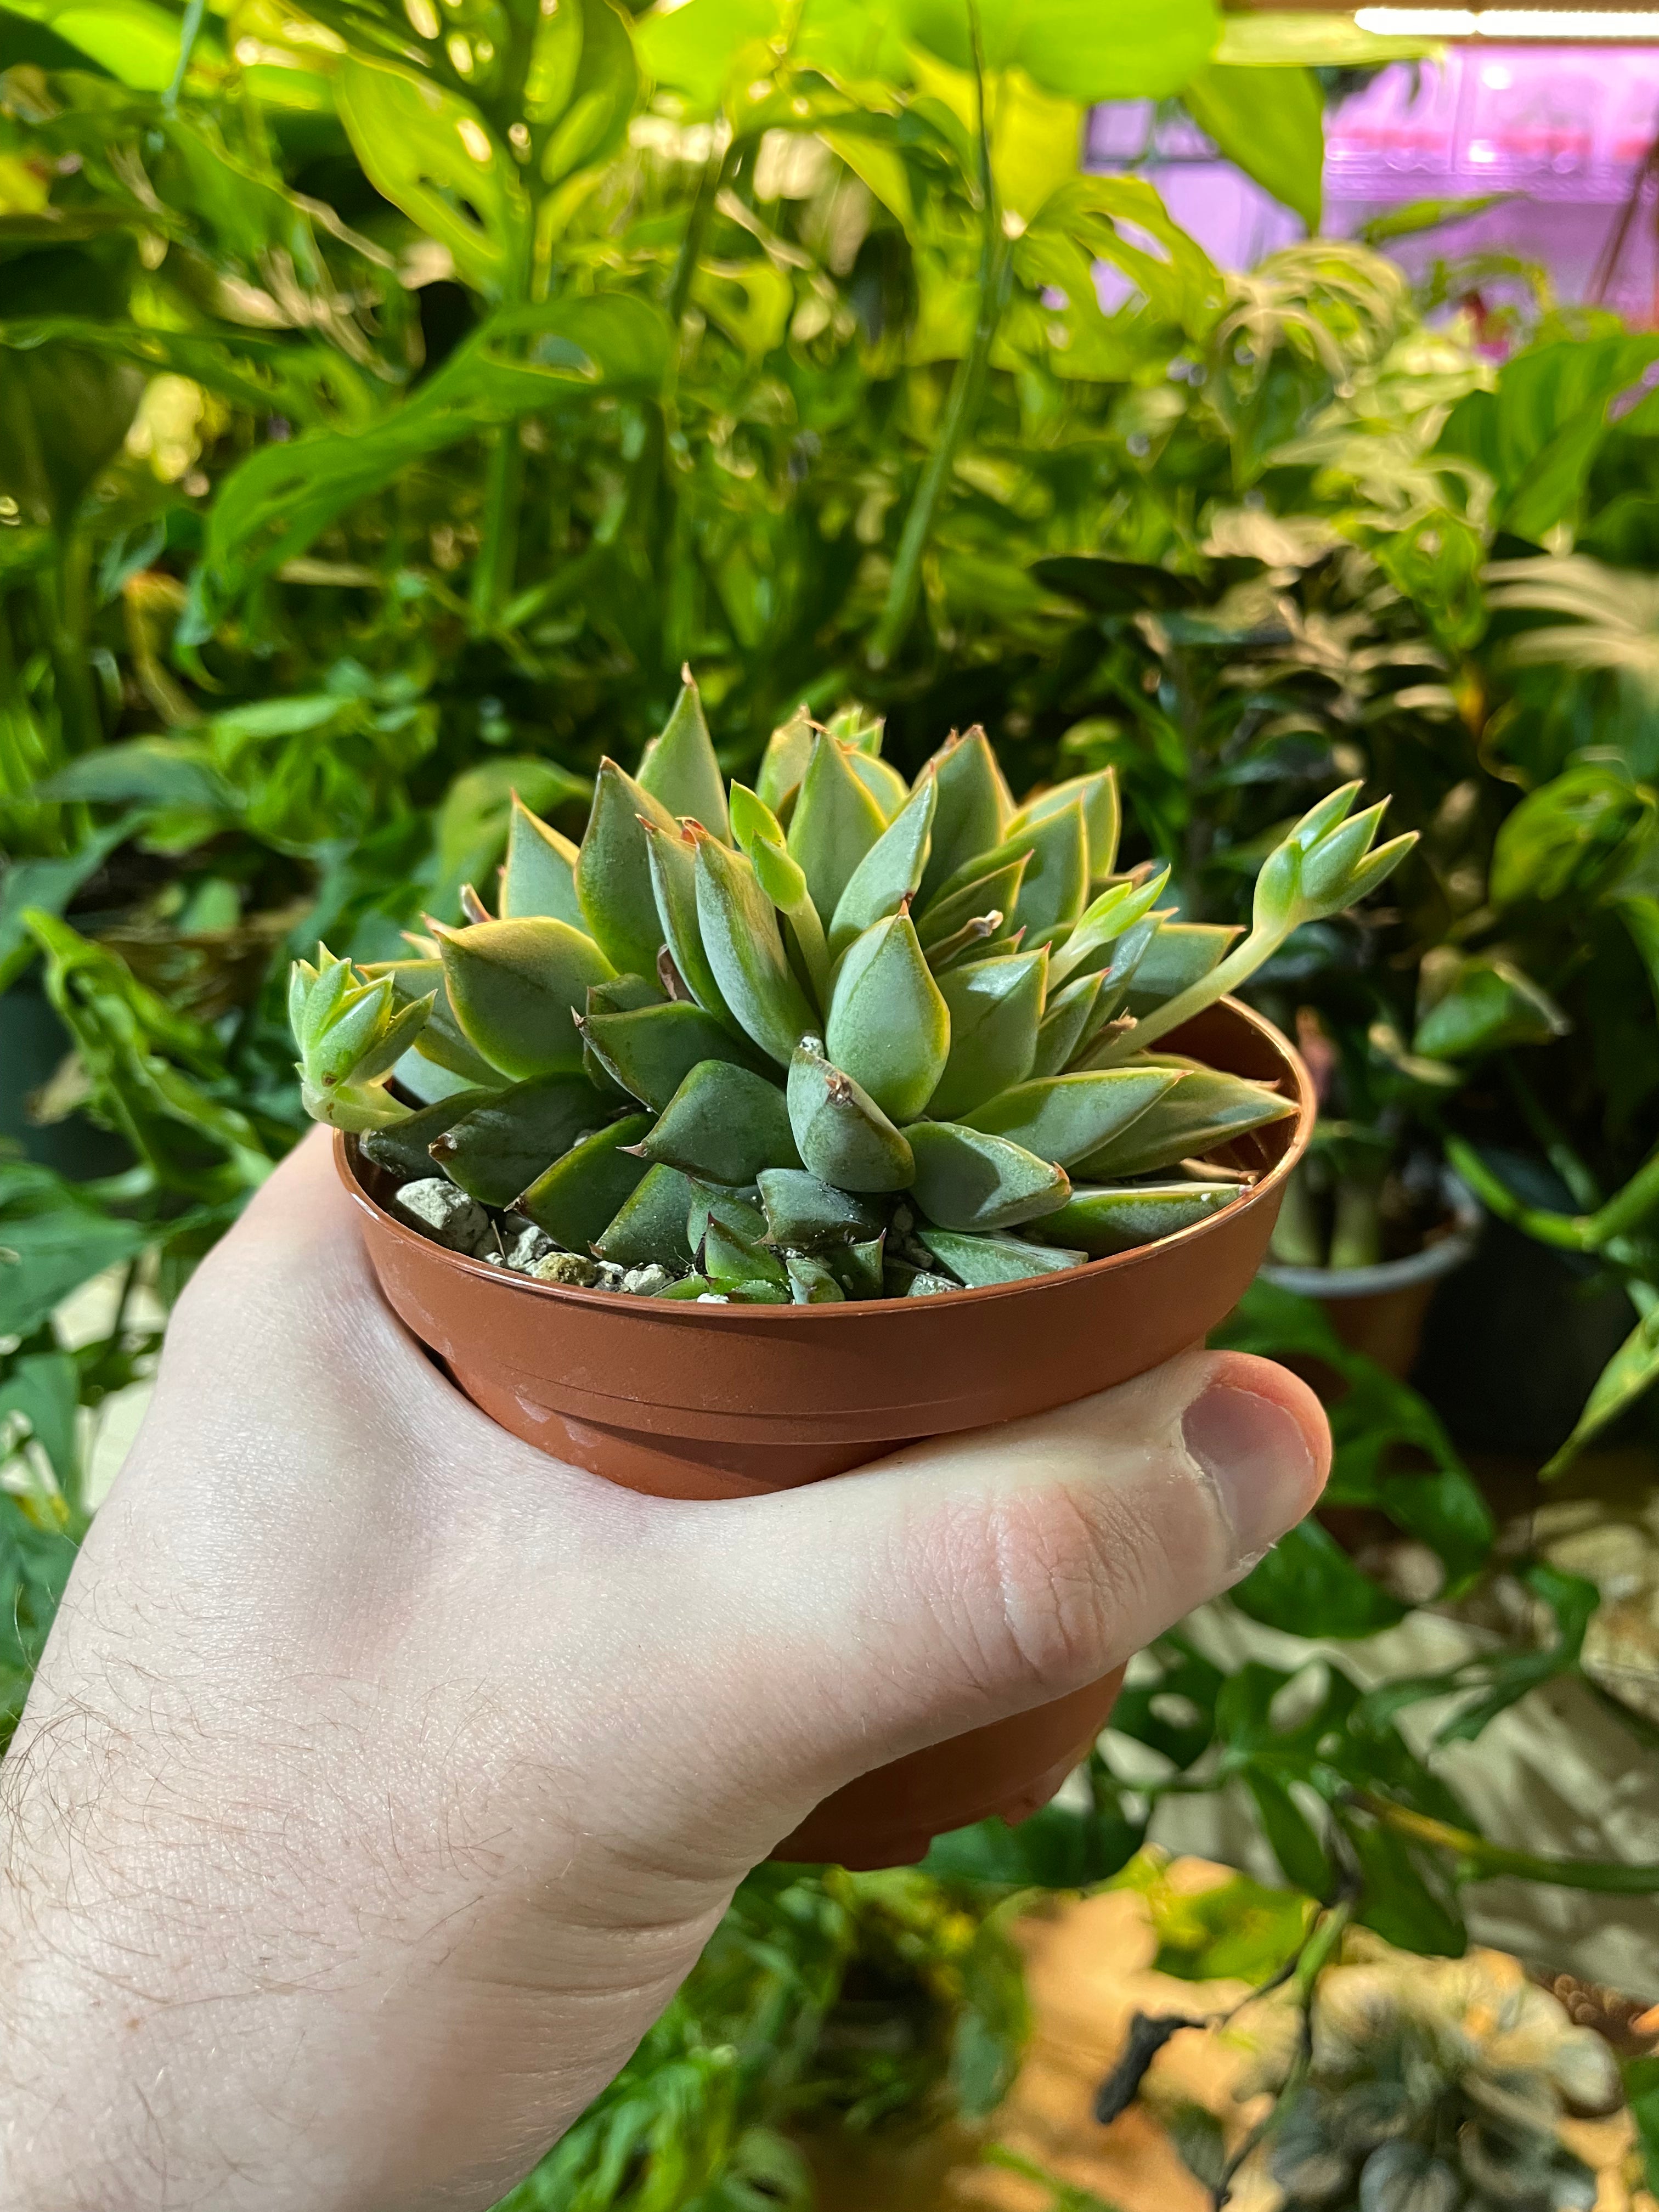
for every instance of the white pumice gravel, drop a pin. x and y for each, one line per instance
(449, 1216)
(523, 1250)
(646, 1282)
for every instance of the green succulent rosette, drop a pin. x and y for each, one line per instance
(834, 1037)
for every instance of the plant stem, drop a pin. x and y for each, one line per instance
(61, 589)
(498, 551)
(1240, 964)
(189, 31)
(1297, 1242)
(1606, 1878)
(715, 178)
(1585, 1191)
(961, 405)
(1356, 1231)
(1568, 1232)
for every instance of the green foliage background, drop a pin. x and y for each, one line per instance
(391, 398)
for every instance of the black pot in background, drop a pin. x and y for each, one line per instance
(32, 1043)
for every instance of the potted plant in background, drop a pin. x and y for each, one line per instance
(1373, 1219)
(812, 1114)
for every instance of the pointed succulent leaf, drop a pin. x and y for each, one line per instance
(854, 726)
(1323, 816)
(1206, 1108)
(1117, 978)
(835, 821)
(540, 874)
(680, 768)
(922, 1283)
(968, 1179)
(1067, 1023)
(580, 1196)
(724, 1123)
(401, 1033)
(441, 1040)
(782, 879)
(1376, 868)
(613, 872)
(402, 1148)
(624, 994)
(755, 1294)
(501, 1146)
(983, 1259)
(784, 763)
(687, 1289)
(314, 995)
(1117, 908)
(711, 1201)
(745, 949)
(672, 858)
(1181, 954)
(650, 1051)
(889, 1027)
(752, 818)
(356, 1107)
(994, 892)
(650, 1224)
(1066, 1118)
(784, 884)
(995, 1007)
(1100, 1219)
(730, 1259)
(841, 1134)
(358, 1019)
(1327, 869)
(804, 1212)
(514, 987)
(1056, 886)
(890, 871)
(973, 811)
(811, 1282)
(860, 1267)
(1103, 815)
(881, 780)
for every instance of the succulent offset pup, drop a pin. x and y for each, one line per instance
(830, 1038)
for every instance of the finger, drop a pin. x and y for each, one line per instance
(283, 1331)
(970, 1578)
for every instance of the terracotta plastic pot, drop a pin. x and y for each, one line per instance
(716, 1401)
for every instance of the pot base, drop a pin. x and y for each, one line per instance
(890, 1816)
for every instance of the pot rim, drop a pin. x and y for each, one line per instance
(849, 1309)
(1427, 1265)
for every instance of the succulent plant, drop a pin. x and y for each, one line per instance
(1440, 2085)
(830, 1037)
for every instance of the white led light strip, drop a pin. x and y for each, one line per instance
(1508, 23)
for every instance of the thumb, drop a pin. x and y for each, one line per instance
(971, 1579)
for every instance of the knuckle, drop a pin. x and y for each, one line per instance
(1035, 1587)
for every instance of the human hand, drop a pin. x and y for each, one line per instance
(383, 1777)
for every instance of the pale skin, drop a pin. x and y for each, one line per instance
(383, 1777)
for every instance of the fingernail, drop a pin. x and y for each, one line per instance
(1256, 1454)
